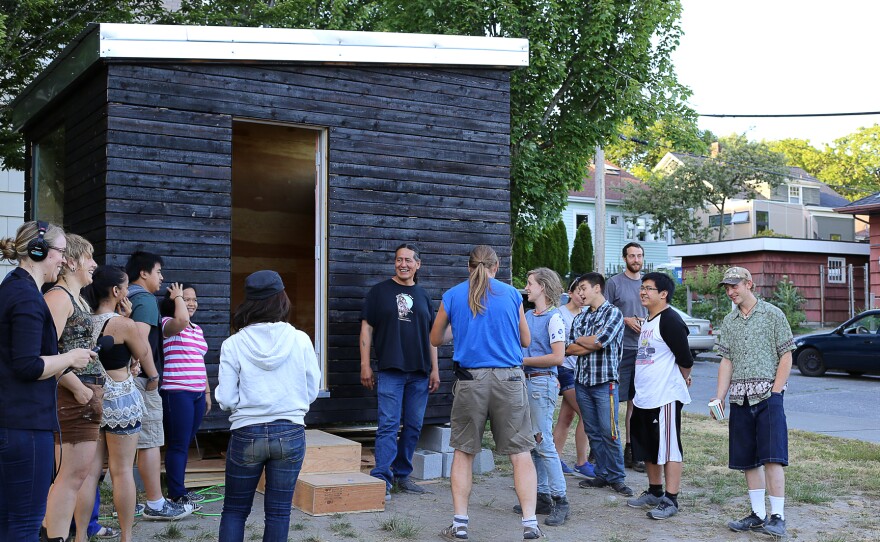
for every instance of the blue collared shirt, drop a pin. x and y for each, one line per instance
(606, 323)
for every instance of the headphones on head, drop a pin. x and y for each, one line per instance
(38, 248)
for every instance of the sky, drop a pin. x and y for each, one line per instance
(781, 57)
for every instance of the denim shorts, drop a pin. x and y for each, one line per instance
(758, 434)
(566, 379)
(127, 430)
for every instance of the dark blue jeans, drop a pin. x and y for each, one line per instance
(279, 447)
(182, 413)
(402, 398)
(26, 459)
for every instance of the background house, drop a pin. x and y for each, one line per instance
(620, 228)
(870, 206)
(802, 207)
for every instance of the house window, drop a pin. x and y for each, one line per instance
(614, 220)
(794, 194)
(579, 218)
(48, 176)
(636, 229)
(762, 221)
(836, 268)
(834, 237)
(740, 217)
(715, 220)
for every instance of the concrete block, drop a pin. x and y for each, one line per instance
(15, 180)
(447, 463)
(11, 204)
(484, 462)
(435, 438)
(427, 465)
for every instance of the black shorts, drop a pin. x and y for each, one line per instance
(656, 434)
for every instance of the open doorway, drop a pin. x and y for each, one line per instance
(278, 210)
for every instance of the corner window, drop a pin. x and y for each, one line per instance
(836, 270)
(48, 177)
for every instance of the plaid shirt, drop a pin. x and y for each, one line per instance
(606, 323)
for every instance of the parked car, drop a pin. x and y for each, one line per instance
(700, 338)
(853, 346)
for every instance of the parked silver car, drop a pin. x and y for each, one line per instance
(700, 338)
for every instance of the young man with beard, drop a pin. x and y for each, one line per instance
(622, 291)
(755, 353)
(663, 368)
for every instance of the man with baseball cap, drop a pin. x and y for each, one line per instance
(755, 347)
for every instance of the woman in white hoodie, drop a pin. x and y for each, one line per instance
(269, 376)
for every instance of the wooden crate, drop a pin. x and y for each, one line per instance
(326, 453)
(324, 494)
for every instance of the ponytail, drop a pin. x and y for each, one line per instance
(482, 259)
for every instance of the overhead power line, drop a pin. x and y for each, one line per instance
(792, 115)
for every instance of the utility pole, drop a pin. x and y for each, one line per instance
(599, 231)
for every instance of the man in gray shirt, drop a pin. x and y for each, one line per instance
(622, 291)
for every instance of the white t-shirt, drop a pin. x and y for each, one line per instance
(570, 362)
(663, 347)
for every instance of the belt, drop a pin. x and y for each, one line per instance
(538, 373)
(91, 379)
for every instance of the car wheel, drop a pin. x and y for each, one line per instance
(810, 363)
(856, 373)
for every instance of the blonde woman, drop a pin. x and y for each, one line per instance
(80, 396)
(29, 363)
(486, 318)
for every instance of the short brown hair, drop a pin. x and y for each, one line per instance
(262, 311)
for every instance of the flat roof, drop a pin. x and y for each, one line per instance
(777, 244)
(143, 42)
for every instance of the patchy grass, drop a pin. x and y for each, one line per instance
(171, 532)
(343, 528)
(400, 527)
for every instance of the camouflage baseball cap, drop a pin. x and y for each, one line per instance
(735, 275)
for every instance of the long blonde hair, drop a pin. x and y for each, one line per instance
(17, 249)
(482, 259)
(549, 280)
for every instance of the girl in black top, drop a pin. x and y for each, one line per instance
(29, 364)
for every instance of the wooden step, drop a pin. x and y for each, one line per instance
(324, 494)
(326, 453)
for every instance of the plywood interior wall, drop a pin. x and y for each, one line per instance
(273, 212)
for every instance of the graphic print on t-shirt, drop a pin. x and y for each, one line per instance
(404, 306)
(645, 355)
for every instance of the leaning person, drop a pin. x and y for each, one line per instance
(755, 349)
(29, 366)
(269, 375)
(487, 321)
(396, 320)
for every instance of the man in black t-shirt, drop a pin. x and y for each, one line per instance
(396, 320)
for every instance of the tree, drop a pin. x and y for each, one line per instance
(800, 153)
(33, 33)
(591, 65)
(851, 165)
(704, 183)
(582, 252)
(556, 240)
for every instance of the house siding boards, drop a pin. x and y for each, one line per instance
(414, 154)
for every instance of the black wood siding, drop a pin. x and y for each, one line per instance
(415, 154)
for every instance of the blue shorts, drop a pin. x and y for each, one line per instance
(566, 378)
(758, 434)
(127, 430)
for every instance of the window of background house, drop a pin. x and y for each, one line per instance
(614, 220)
(48, 177)
(740, 217)
(834, 237)
(636, 229)
(585, 217)
(794, 194)
(762, 221)
(836, 270)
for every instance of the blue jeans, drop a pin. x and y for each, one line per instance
(599, 413)
(26, 459)
(182, 413)
(402, 398)
(543, 391)
(280, 447)
(758, 434)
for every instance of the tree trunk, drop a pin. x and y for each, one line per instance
(721, 225)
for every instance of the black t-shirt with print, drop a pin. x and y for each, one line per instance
(401, 317)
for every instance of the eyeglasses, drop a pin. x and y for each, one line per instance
(61, 250)
(648, 289)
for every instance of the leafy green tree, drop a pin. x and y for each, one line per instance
(711, 302)
(33, 33)
(639, 150)
(851, 165)
(704, 183)
(582, 252)
(789, 300)
(800, 153)
(556, 239)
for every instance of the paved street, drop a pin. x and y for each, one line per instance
(835, 404)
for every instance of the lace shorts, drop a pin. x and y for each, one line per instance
(123, 404)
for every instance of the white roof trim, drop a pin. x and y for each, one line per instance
(777, 244)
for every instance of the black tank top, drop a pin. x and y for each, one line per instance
(117, 357)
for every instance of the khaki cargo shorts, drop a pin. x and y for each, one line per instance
(500, 396)
(152, 433)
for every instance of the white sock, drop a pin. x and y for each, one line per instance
(777, 506)
(460, 521)
(157, 505)
(758, 506)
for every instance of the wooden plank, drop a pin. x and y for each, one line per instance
(324, 494)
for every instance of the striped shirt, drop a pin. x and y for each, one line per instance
(606, 323)
(185, 360)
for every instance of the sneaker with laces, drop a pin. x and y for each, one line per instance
(664, 510)
(598, 481)
(533, 533)
(775, 526)
(454, 533)
(195, 497)
(408, 486)
(169, 511)
(645, 500)
(623, 489)
(749, 523)
(186, 500)
(565, 468)
(584, 471)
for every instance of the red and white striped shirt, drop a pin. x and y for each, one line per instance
(185, 360)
